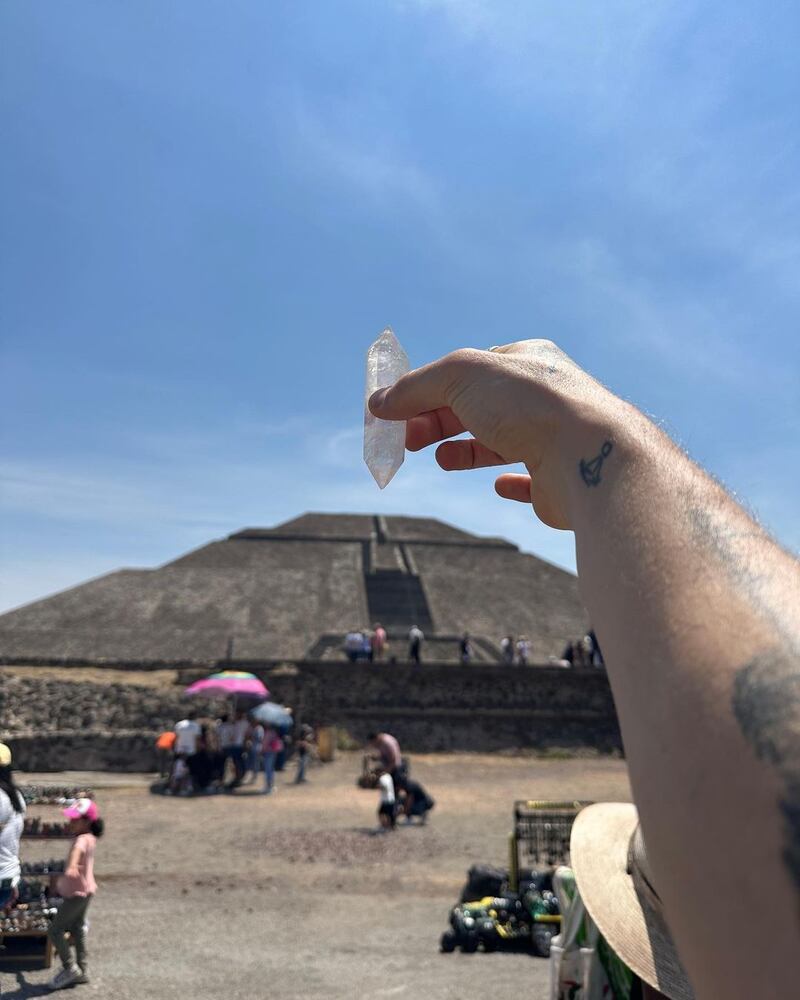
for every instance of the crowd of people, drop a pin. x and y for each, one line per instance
(366, 644)
(205, 756)
(515, 651)
(201, 756)
(372, 645)
(583, 652)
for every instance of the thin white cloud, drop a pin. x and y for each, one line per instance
(364, 155)
(34, 489)
(342, 449)
(663, 130)
(676, 330)
(538, 53)
(150, 512)
(184, 443)
(195, 498)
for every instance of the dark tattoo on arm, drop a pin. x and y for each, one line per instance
(766, 702)
(590, 467)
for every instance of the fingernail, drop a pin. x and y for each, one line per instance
(377, 399)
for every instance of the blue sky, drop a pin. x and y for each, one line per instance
(209, 210)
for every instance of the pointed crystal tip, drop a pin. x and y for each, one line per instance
(384, 440)
(383, 476)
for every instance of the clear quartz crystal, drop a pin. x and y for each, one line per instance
(384, 440)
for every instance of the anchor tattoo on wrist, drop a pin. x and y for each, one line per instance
(590, 467)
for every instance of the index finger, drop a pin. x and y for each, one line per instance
(424, 389)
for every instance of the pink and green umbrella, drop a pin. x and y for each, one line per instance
(229, 683)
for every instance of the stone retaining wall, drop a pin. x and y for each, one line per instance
(84, 750)
(65, 725)
(33, 705)
(453, 707)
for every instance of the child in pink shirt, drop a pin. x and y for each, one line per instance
(77, 886)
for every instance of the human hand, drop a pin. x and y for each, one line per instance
(525, 402)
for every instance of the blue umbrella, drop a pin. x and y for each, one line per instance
(269, 713)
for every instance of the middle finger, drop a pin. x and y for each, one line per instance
(467, 454)
(435, 425)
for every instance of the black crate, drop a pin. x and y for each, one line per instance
(25, 950)
(541, 832)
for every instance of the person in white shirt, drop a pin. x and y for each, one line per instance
(415, 639)
(187, 737)
(187, 733)
(12, 818)
(224, 731)
(387, 810)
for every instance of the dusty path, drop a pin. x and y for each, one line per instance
(247, 895)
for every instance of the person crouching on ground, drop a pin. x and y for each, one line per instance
(414, 800)
(77, 887)
(387, 810)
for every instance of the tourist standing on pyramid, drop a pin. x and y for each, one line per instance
(415, 640)
(353, 645)
(378, 641)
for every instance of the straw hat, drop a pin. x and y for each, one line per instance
(615, 882)
(5, 755)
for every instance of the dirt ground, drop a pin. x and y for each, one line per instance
(247, 895)
(97, 675)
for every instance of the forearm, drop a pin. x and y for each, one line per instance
(696, 612)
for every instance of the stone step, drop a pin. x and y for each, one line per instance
(397, 600)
